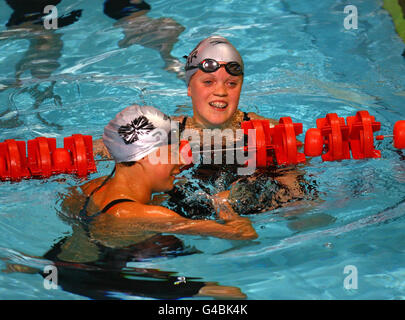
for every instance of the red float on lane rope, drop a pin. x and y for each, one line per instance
(335, 135)
(313, 145)
(13, 165)
(186, 156)
(285, 142)
(39, 156)
(81, 148)
(362, 127)
(272, 146)
(399, 134)
(44, 159)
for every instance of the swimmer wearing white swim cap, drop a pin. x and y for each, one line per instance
(136, 132)
(125, 196)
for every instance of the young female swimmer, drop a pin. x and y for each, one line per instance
(120, 224)
(214, 76)
(118, 206)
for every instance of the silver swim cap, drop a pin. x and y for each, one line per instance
(214, 47)
(135, 132)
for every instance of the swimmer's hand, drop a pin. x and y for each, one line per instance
(232, 219)
(244, 227)
(224, 209)
(99, 149)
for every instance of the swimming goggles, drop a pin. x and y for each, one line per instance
(211, 65)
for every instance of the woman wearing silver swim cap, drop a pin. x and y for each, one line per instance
(214, 78)
(118, 207)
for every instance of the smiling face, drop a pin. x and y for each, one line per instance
(215, 97)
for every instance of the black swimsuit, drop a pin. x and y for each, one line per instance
(111, 274)
(251, 194)
(83, 212)
(83, 216)
(106, 275)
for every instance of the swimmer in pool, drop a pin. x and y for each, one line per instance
(214, 79)
(41, 58)
(27, 22)
(156, 33)
(214, 89)
(118, 224)
(118, 206)
(214, 76)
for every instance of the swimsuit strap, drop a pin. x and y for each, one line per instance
(246, 116)
(182, 125)
(113, 203)
(83, 211)
(106, 208)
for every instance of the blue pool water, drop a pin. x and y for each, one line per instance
(300, 62)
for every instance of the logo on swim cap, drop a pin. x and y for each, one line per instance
(131, 131)
(136, 132)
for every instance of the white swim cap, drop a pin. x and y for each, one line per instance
(135, 132)
(214, 47)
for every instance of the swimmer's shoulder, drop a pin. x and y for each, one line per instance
(140, 212)
(72, 201)
(178, 118)
(88, 187)
(255, 116)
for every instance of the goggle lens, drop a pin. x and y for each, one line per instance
(234, 68)
(211, 65)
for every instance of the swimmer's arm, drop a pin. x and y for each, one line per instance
(160, 219)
